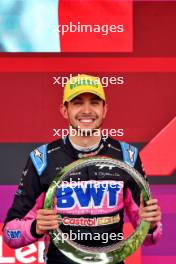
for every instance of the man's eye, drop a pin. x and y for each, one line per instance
(77, 102)
(95, 102)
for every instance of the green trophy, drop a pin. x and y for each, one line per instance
(107, 254)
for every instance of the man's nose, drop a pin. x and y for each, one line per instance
(86, 108)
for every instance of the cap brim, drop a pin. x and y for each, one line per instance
(71, 97)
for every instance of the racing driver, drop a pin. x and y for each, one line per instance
(87, 209)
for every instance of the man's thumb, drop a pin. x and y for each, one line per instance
(141, 200)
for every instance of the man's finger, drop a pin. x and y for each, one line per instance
(150, 208)
(46, 217)
(152, 201)
(47, 212)
(152, 219)
(150, 214)
(47, 228)
(141, 200)
(47, 223)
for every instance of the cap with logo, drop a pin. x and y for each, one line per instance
(82, 84)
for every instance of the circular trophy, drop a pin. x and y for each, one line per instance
(101, 255)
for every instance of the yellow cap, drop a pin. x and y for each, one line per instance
(82, 84)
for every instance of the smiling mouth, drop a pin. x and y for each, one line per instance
(86, 120)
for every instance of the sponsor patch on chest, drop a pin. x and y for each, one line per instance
(89, 197)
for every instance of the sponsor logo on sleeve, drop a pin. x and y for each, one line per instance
(13, 234)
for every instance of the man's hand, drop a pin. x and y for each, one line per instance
(151, 212)
(46, 220)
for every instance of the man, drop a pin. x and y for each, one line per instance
(84, 106)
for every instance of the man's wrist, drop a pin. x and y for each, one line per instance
(33, 230)
(152, 229)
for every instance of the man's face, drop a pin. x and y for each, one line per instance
(85, 111)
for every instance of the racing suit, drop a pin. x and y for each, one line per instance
(84, 210)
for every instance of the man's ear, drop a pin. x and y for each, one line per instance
(64, 111)
(105, 110)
